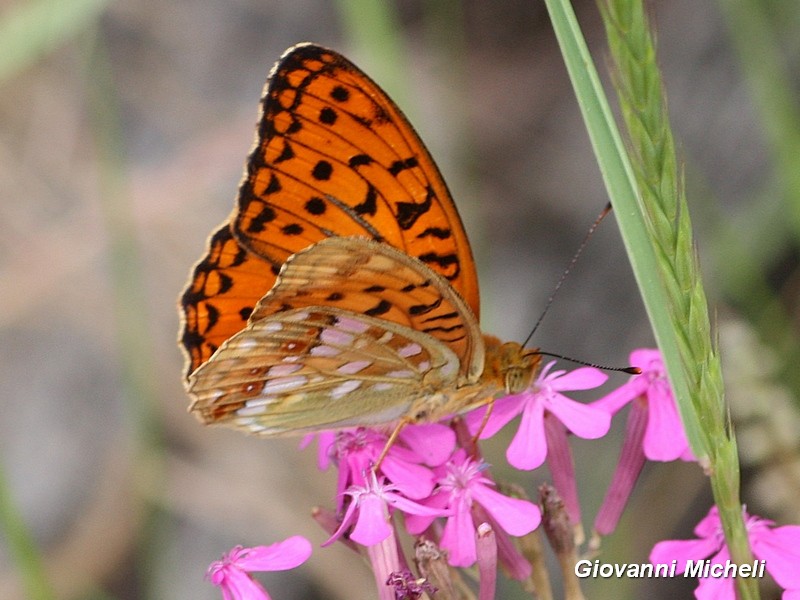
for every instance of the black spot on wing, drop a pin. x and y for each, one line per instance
(401, 165)
(359, 160)
(266, 215)
(421, 309)
(440, 233)
(340, 93)
(212, 316)
(380, 308)
(294, 127)
(444, 329)
(315, 206)
(443, 261)
(409, 212)
(292, 229)
(322, 171)
(370, 205)
(450, 315)
(327, 116)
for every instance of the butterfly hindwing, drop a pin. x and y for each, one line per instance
(308, 361)
(368, 277)
(322, 368)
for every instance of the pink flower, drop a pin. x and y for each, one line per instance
(369, 509)
(461, 486)
(232, 573)
(778, 546)
(357, 451)
(654, 430)
(664, 437)
(528, 449)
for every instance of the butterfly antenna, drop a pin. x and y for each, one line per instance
(571, 264)
(628, 370)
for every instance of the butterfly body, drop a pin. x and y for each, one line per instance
(342, 292)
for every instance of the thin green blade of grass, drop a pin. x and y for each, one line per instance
(767, 76)
(752, 241)
(132, 332)
(373, 30)
(622, 187)
(646, 189)
(31, 30)
(21, 545)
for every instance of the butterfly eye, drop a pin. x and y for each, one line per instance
(517, 379)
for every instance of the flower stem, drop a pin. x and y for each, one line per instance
(21, 546)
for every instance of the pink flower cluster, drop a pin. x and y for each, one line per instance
(778, 547)
(434, 476)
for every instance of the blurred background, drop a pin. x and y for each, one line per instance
(123, 129)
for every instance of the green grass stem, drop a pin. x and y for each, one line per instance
(646, 188)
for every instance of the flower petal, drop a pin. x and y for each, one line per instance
(410, 507)
(528, 449)
(372, 525)
(647, 359)
(458, 537)
(665, 438)
(683, 550)
(280, 556)
(585, 378)
(238, 585)
(780, 547)
(416, 481)
(432, 442)
(417, 523)
(584, 420)
(503, 410)
(349, 515)
(516, 516)
(716, 588)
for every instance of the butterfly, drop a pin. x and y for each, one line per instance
(342, 290)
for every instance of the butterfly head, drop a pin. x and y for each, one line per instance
(510, 364)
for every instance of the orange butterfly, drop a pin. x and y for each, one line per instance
(342, 291)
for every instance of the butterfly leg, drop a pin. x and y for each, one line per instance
(484, 421)
(391, 440)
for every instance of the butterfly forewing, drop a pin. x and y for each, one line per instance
(220, 296)
(335, 156)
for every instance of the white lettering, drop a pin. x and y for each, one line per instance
(583, 568)
(694, 568)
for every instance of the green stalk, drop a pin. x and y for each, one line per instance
(373, 29)
(132, 334)
(21, 546)
(756, 240)
(768, 78)
(647, 192)
(31, 30)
